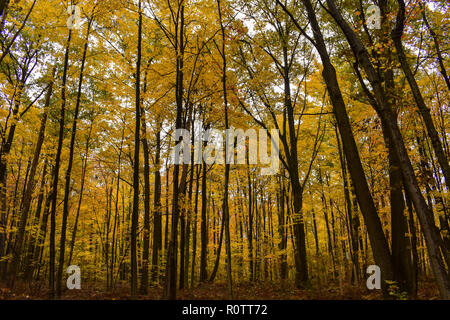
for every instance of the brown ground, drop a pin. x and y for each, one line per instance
(215, 291)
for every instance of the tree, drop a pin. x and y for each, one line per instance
(137, 141)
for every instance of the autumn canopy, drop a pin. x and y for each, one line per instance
(338, 112)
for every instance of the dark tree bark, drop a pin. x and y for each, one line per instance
(116, 226)
(62, 245)
(157, 221)
(190, 211)
(54, 192)
(225, 209)
(415, 256)
(351, 216)
(171, 269)
(204, 227)
(327, 223)
(219, 249)
(137, 141)
(282, 229)
(146, 230)
(80, 197)
(166, 225)
(194, 233)
(183, 212)
(250, 222)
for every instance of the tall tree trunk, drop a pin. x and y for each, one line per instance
(171, 269)
(183, 212)
(54, 192)
(189, 216)
(62, 245)
(327, 224)
(157, 222)
(225, 209)
(137, 141)
(401, 254)
(194, 233)
(219, 249)
(204, 228)
(42, 233)
(146, 230)
(116, 226)
(353, 239)
(80, 197)
(282, 229)
(166, 226)
(415, 256)
(250, 222)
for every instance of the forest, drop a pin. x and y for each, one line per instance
(129, 167)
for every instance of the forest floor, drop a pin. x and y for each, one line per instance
(217, 291)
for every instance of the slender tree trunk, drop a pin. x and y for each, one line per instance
(401, 255)
(219, 250)
(137, 141)
(194, 234)
(171, 269)
(327, 224)
(54, 192)
(62, 245)
(166, 227)
(183, 212)
(225, 209)
(157, 222)
(250, 222)
(116, 226)
(146, 230)
(80, 198)
(189, 216)
(415, 256)
(353, 240)
(282, 229)
(204, 227)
